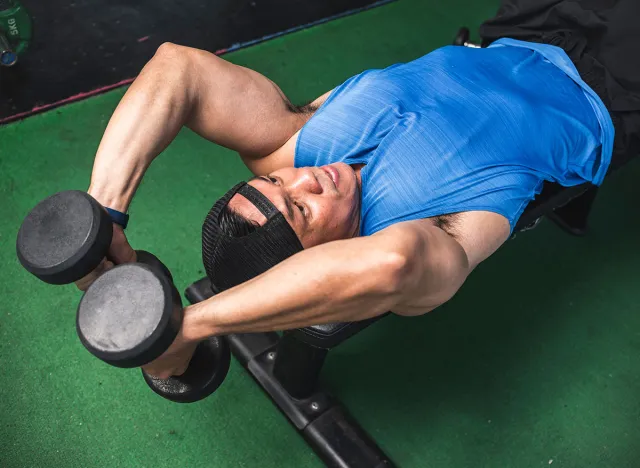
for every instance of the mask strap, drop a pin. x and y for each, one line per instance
(259, 200)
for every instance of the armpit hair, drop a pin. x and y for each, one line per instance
(448, 223)
(308, 108)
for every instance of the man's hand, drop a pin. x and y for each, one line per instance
(174, 361)
(119, 252)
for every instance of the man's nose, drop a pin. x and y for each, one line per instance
(307, 181)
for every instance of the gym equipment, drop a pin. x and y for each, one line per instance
(131, 314)
(64, 237)
(15, 31)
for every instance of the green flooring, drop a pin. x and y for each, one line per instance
(536, 362)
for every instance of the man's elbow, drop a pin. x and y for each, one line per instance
(177, 54)
(422, 286)
(173, 74)
(403, 260)
(398, 272)
(171, 58)
(401, 281)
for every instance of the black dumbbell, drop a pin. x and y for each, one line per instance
(63, 239)
(131, 314)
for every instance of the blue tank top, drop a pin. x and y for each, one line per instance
(462, 129)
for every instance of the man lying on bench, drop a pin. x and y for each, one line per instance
(385, 193)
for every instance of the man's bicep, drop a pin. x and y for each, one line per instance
(284, 156)
(239, 108)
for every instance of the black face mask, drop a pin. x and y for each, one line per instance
(230, 260)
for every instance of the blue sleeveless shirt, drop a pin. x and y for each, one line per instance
(462, 129)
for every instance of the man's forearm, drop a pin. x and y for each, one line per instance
(227, 104)
(346, 280)
(148, 118)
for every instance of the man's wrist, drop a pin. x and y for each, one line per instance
(197, 323)
(110, 198)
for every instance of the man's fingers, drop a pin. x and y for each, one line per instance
(174, 362)
(122, 254)
(120, 251)
(183, 368)
(84, 283)
(164, 373)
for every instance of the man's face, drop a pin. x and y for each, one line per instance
(322, 204)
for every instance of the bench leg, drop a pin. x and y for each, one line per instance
(573, 217)
(324, 423)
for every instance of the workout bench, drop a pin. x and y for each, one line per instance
(287, 367)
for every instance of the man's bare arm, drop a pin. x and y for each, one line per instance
(405, 268)
(409, 268)
(230, 105)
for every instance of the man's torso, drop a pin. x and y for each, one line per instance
(461, 137)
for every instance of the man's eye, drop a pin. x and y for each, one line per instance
(273, 180)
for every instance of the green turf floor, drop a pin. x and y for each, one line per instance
(535, 362)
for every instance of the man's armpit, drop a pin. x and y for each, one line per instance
(480, 233)
(305, 109)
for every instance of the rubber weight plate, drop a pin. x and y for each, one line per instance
(64, 237)
(129, 316)
(206, 372)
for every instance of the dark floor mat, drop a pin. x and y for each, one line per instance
(84, 47)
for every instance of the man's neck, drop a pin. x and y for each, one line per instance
(357, 168)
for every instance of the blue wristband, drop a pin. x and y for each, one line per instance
(118, 217)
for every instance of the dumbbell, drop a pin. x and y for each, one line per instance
(64, 237)
(131, 314)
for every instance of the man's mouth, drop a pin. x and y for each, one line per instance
(333, 173)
